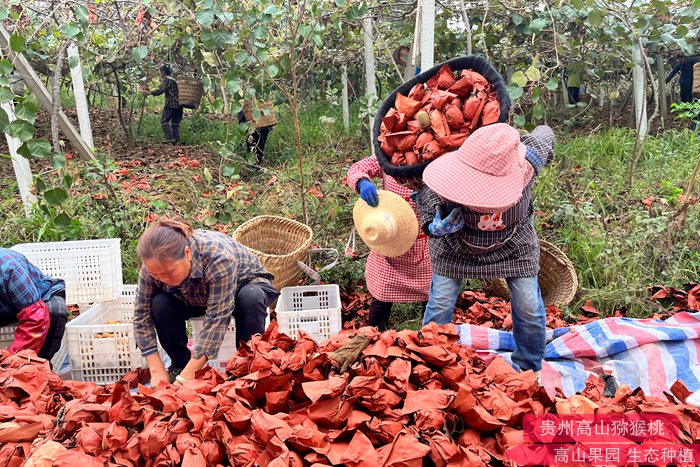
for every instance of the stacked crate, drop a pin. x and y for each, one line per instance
(91, 269)
(101, 341)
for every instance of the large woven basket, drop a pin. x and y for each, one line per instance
(557, 277)
(189, 91)
(405, 173)
(265, 109)
(279, 243)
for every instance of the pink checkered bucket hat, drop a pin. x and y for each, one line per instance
(488, 173)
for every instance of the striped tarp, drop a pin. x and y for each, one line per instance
(647, 353)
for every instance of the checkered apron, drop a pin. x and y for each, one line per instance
(405, 278)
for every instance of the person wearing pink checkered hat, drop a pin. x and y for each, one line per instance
(477, 209)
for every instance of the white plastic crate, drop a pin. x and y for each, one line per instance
(7, 336)
(228, 345)
(314, 309)
(92, 269)
(105, 359)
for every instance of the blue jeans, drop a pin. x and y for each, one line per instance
(528, 313)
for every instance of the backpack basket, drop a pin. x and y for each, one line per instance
(557, 278)
(408, 173)
(190, 91)
(265, 109)
(696, 80)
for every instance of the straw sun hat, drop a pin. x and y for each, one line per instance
(390, 229)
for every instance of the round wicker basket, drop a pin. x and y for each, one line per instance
(279, 243)
(557, 277)
(408, 174)
(190, 91)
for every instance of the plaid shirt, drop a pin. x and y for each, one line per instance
(169, 87)
(491, 245)
(22, 283)
(220, 266)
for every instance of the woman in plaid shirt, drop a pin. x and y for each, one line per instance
(189, 273)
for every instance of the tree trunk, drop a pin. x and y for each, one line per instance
(23, 173)
(370, 76)
(224, 97)
(427, 34)
(346, 107)
(81, 105)
(640, 102)
(467, 25)
(370, 70)
(414, 56)
(509, 73)
(56, 97)
(120, 108)
(640, 110)
(661, 73)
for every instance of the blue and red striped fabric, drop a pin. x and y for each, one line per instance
(647, 353)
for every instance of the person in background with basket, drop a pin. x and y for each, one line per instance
(172, 110)
(686, 68)
(685, 81)
(36, 302)
(477, 209)
(390, 278)
(190, 273)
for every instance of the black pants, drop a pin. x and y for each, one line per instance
(170, 315)
(686, 93)
(58, 316)
(573, 94)
(379, 313)
(256, 142)
(170, 121)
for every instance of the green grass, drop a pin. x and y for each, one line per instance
(618, 245)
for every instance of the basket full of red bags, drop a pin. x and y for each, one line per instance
(435, 112)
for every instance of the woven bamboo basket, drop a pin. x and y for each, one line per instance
(557, 277)
(279, 243)
(266, 109)
(190, 91)
(411, 174)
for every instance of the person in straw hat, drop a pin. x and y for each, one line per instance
(391, 278)
(477, 209)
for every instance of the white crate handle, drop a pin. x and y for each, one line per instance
(311, 272)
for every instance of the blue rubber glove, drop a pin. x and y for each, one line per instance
(368, 192)
(449, 225)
